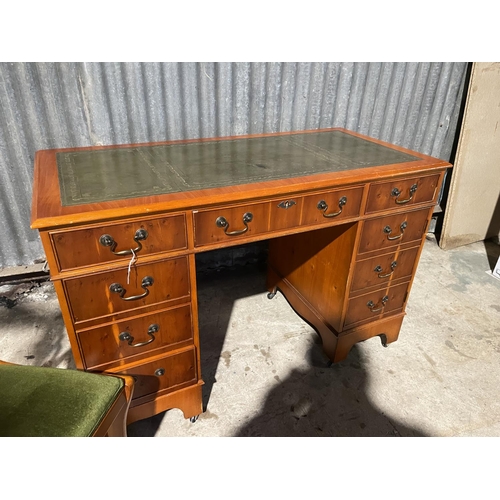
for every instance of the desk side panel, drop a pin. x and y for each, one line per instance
(317, 264)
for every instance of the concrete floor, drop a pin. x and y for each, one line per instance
(266, 375)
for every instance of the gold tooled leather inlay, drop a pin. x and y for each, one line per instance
(120, 173)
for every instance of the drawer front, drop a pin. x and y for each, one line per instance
(393, 230)
(165, 373)
(379, 270)
(375, 305)
(285, 213)
(98, 244)
(102, 294)
(321, 208)
(230, 223)
(401, 193)
(135, 336)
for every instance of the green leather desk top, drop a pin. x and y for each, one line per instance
(119, 173)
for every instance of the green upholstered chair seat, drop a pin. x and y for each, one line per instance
(38, 401)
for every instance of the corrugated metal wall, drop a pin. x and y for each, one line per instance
(47, 105)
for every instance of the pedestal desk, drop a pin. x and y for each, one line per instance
(345, 216)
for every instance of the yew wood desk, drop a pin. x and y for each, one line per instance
(345, 216)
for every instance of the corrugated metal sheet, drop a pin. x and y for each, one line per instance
(47, 105)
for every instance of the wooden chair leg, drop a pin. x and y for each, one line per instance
(117, 414)
(118, 427)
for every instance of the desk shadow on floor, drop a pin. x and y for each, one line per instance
(218, 290)
(318, 400)
(217, 293)
(324, 401)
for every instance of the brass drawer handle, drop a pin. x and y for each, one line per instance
(388, 230)
(117, 288)
(396, 192)
(151, 331)
(159, 372)
(222, 222)
(107, 240)
(379, 269)
(373, 308)
(322, 205)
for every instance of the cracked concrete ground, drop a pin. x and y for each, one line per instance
(266, 375)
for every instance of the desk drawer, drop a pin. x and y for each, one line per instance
(328, 206)
(285, 213)
(400, 193)
(375, 305)
(136, 336)
(167, 372)
(393, 230)
(105, 293)
(98, 244)
(383, 268)
(230, 223)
